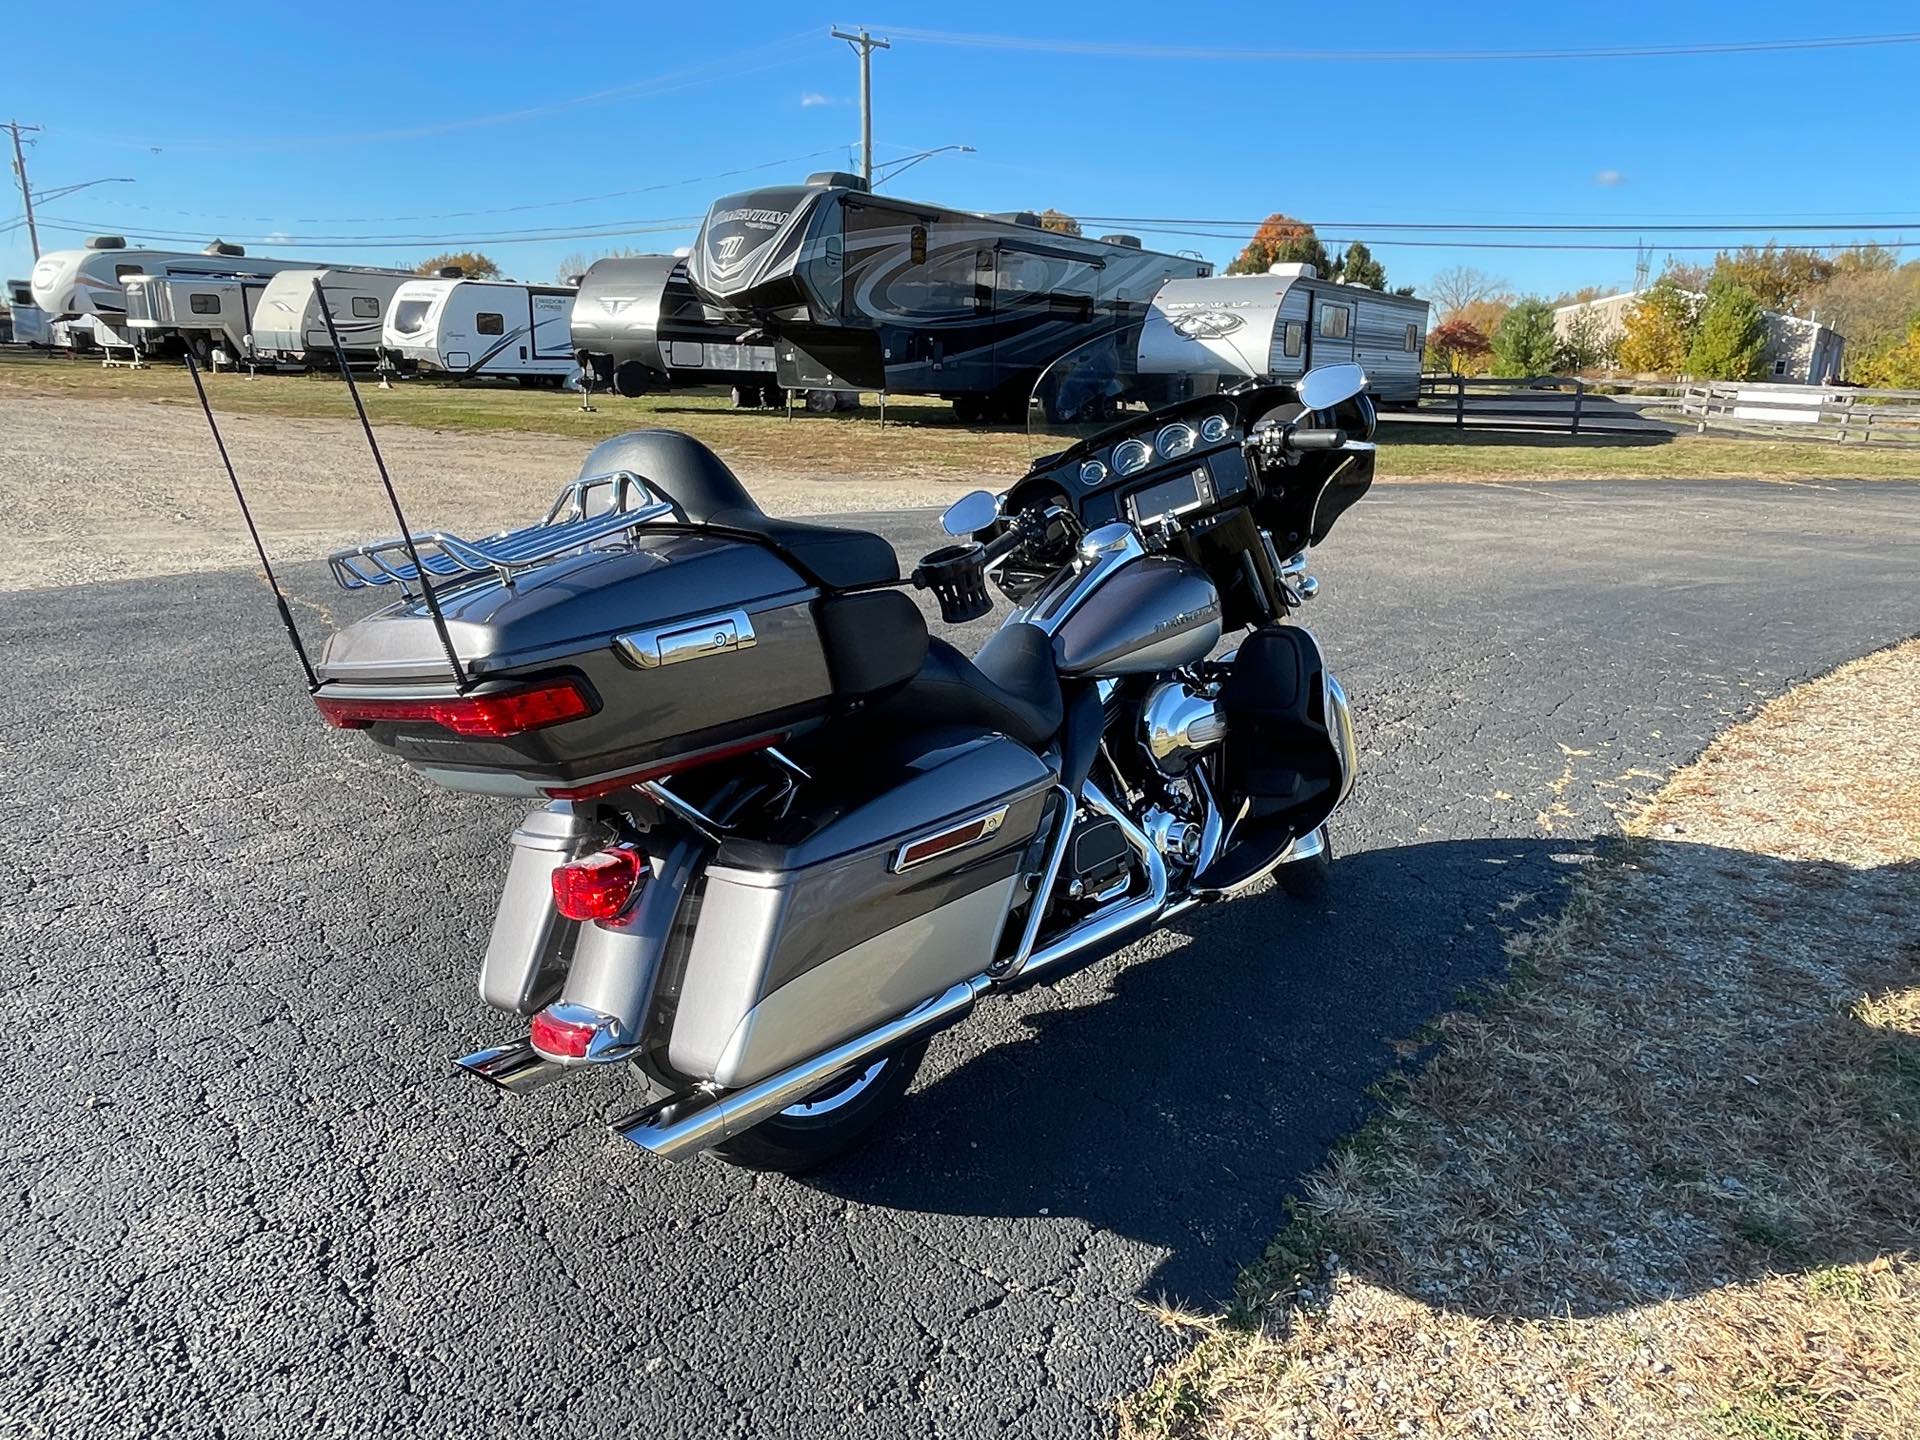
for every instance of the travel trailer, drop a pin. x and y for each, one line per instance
(639, 325)
(68, 284)
(468, 329)
(29, 324)
(1281, 324)
(200, 313)
(289, 330)
(859, 291)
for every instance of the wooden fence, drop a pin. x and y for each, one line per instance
(1809, 412)
(1561, 404)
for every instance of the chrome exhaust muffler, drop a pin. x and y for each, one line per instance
(516, 1068)
(722, 1117)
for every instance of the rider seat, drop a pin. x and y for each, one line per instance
(1011, 687)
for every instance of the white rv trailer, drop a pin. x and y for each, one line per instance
(193, 312)
(468, 329)
(30, 324)
(288, 328)
(91, 281)
(1283, 323)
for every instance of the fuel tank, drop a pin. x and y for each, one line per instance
(1153, 613)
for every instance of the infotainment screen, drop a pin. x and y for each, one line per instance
(1171, 497)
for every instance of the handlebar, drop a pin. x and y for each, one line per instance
(1314, 439)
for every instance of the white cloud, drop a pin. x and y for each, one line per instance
(811, 98)
(1609, 177)
(278, 237)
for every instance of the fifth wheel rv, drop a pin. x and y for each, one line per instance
(89, 284)
(1281, 324)
(868, 292)
(471, 329)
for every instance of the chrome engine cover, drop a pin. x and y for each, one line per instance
(1178, 724)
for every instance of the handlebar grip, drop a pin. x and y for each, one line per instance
(1316, 439)
(1002, 544)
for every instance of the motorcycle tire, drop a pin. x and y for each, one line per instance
(1307, 879)
(829, 1122)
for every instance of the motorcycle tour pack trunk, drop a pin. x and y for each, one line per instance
(685, 644)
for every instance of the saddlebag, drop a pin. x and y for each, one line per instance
(889, 887)
(679, 647)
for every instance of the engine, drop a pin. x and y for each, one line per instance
(1179, 723)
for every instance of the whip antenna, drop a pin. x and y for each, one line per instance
(246, 513)
(393, 498)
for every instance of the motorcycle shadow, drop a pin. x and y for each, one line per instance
(1178, 1094)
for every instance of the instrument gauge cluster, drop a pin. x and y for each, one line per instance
(1216, 428)
(1130, 457)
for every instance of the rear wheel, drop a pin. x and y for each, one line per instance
(830, 1121)
(630, 380)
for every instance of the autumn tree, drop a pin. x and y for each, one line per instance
(1731, 336)
(1459, 345)
(1778, 277)
(1281, 240)
(1356, 266)
(1869, 298)
(1059, 222)
(1893, 367)
(471, 263)
(1657, 330)
(1524, 343)
(1459, 286)
(582, 261)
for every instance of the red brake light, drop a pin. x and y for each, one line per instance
(598, 887)
(568, 1039)
(493, 715)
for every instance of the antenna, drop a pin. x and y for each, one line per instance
(246, 513)
(393, 498)
(1642, 265)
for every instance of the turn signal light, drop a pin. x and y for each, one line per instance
(563, 1039)
(494, 715)
(598, 887)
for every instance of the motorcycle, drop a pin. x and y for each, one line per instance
(787, 835)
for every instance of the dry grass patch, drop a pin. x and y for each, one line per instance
(1669, 1180)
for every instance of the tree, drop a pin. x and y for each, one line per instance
(1524, 344)
(582, 261)
(1587, 342)
(1281, 240)
(1358, 267)
(1458, 345)
(1778, 277)
(1657, 331)
(1459, 286)
(1895, 367)
(1868, 300)
(1582, 295)
(1731, 337)
(472, 263)
(1484, 315)
(1059, 222)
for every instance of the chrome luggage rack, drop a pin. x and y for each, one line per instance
(577, 518)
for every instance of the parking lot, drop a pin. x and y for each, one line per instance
(250, 1196)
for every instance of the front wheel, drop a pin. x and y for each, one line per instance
(830, 1121)
(1307, 879)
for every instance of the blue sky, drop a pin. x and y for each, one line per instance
(257, 120)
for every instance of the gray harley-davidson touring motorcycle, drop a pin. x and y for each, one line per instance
(784, 835)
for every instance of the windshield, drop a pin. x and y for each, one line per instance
(1103, 381)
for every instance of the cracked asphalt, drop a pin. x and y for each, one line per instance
(242, 1194)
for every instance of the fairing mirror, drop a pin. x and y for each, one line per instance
(970, 513)
(1325, 386)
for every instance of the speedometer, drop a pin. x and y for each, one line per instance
(1175, 440)
(1130, 457)
(1215, 428)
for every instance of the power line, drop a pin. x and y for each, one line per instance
(496, 210)
(613, 230)
(1455, 227)
(1598, 52)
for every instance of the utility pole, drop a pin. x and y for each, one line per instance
(26, 191)
(864, 45)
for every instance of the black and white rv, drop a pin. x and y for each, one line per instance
(639, 325)
(480, 329)
(1281, 324)
(859, 291)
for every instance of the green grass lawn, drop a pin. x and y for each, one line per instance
(920, 436)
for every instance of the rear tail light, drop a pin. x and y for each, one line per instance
(600, 886)
(494, 715)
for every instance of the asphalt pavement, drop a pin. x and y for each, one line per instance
(244, 1194)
